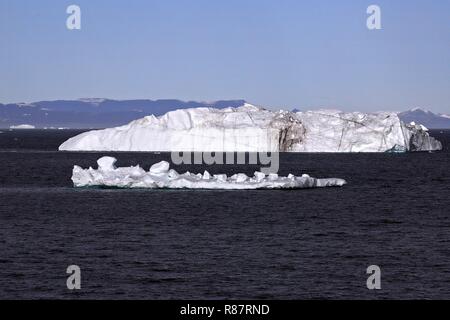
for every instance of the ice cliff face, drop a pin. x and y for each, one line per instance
(253, 129)
(336, 131)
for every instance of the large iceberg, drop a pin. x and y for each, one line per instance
(161, 176)
(253, 129)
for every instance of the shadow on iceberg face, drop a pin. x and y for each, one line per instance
(421, 140)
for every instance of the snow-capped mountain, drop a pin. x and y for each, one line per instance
(426, 118)
(93, 112)
(254, 129)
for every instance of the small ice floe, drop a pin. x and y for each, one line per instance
(23, 127)
(161, 176)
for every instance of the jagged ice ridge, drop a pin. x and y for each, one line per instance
(160, 176)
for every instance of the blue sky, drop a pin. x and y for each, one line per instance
(286, 53)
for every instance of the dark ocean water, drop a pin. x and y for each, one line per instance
(155, 244)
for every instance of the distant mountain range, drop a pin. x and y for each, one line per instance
(427, 118)
(93, 113)
(102, 113)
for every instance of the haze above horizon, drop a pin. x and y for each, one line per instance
(297, 54)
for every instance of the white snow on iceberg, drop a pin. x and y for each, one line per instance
(254, 129)
(161, 176)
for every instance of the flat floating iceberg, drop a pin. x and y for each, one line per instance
(160, 176)
(23, 127)
(253, 129)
